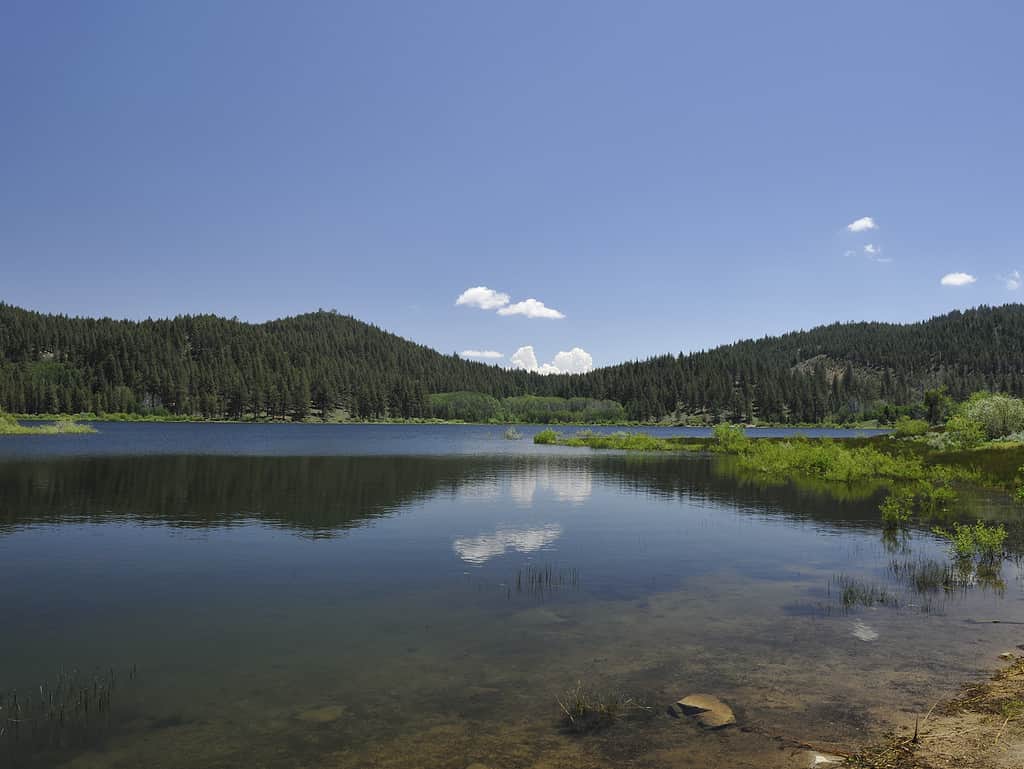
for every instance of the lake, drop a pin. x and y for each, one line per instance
(423, 595)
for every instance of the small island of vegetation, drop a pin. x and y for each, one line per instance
(10, 426)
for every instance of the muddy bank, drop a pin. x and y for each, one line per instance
(982, 728)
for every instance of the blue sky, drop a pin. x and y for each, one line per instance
(667, 176)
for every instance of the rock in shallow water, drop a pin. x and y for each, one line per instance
(813, 759)
(709, 711)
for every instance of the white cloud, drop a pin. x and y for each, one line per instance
(871, 250)
(482, 354)
(862, 224)
(1013, 280)
(849, 252)
(524, 358)
(957, 279)
(574, 361)
(483, 297)
(531, 308)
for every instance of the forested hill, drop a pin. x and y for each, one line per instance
(324, 362)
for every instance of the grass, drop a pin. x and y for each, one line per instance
(853, 592)
(621, 441)
(10, 426)
(68, 711)
(584, 710)
(543, 580)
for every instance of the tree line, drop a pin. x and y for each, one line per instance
(323, 364)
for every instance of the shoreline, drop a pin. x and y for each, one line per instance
(980, 728)
(88, 417)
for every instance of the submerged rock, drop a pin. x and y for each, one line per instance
(709, 711)
(813, 759)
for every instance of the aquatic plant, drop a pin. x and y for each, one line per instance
(924, 497)
(828, 459)
(729, 439)
(546, 437)
(980, 541)
(543, 579)
(10, 426)
(585, 710)
(928, 575)
(621, 441)
(68, 711)
(512, 434)
(854, 592)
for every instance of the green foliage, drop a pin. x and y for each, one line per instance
(546, 437)
(978, 541)
(829, 460)
(10, 426)
(927, 497)
(550, 409)
(996, 414)
(621, 441)
(729, 438)
(465, 406)
(962, 432)
(898, 507)
(937, 405)
(906, 427)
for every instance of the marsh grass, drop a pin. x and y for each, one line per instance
(542, 580)
(584, 710)
(69, 711)
(853, 592)
(10, 426)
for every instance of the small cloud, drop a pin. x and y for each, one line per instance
(482, 297)
(957, 279)
(531, 308)
(482, 354)
(874, 253)
(574, 361)
(850, 252)
(1013, 280)
(862, 224)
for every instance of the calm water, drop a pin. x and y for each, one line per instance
(360, 596)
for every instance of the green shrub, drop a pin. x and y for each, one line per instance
(729, 439)
(962, 432)
(981, 541)
(897, 507)
(546, 437)
(828, 460)
(906, 427)
(995, 413)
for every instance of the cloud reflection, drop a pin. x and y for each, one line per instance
(479, 550)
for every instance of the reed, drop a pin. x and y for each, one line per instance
(69, 711)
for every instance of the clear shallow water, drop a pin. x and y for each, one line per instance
(359, 596)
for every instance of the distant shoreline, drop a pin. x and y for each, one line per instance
(88, 417)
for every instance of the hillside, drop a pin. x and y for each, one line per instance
(215, 367)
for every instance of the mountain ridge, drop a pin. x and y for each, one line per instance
(210, 366)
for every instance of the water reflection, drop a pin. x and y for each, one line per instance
(479, 550)
(324, 495)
